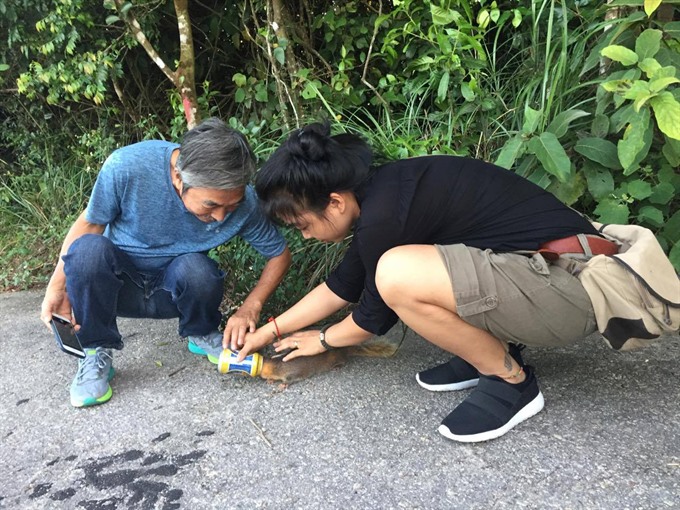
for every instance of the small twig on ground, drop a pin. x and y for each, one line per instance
(261, 432)
(174, 372)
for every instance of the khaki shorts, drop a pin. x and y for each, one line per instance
(518, 298)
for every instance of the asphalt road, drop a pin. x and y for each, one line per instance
(177, 434)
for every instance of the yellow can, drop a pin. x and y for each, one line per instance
(251, 364)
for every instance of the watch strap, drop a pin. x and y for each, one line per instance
(322, 338)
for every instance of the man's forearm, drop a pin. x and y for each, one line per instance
(272, 274)
(79, 228)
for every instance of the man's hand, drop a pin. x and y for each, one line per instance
(244, 320)
(56, 301)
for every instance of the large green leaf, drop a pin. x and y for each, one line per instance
(600, 151)
(551, 154)
(659, 84)
(667, 112)
(512, 149)
(674, 256)
(664, 72)
(662, 193)
(560, 124)
(540, 177)
(633, 139)
(672, 29)
(672, 228)
(443, 89)
(651, 6)
(600, 126)
(671, 151)
(639, 189)
(649, 66)
(442, 15)
(648, 43)
(599, 178)
(651, 215)
(621, 118)
(569, 192)
(671, 176)
(610, 210)
(280, 55)
(648, 137)
(620, 54)
(239, 79)
(531, 119)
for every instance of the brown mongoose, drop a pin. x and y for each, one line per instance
(274, 369)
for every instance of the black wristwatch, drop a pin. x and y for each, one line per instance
(322, 338)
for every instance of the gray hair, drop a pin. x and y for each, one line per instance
(213, 155)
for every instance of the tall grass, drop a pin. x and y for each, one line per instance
(544, 70)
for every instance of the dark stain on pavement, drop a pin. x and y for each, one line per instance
(63, 494)
(40, 490)
(162, 437)
(131, 479)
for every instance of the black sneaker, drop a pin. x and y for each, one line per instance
(458, 374)
(493, 408)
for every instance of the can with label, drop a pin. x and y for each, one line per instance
(251, 364)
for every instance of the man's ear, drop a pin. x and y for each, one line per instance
(177, 181)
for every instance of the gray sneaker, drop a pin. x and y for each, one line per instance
(91, 384)
(207, 345)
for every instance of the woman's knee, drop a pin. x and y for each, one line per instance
(390, 274)
(414, 274)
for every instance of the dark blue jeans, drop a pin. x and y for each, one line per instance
(103, 283)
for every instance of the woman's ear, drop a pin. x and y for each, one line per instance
(338, 202)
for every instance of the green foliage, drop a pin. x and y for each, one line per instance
(580, 104)
(36, 210)
(613, 154)
(69, 63)
(312, 262)
(639, 121)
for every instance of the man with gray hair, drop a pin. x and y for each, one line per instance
(140, 249)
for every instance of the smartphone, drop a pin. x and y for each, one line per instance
(66, 337)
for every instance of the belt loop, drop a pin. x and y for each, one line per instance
(584, 244)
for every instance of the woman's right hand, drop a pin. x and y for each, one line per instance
(253, 343)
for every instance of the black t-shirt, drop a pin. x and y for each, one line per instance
(443, 200)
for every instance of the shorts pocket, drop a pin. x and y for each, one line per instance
(472, 278)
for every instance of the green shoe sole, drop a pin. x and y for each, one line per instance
(195, 349)
(91, 401)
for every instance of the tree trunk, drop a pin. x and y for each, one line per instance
(186, 81)
(279, 20)
(183, 77)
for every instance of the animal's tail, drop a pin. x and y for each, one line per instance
(376, 349)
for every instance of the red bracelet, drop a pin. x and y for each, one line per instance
(278, 333)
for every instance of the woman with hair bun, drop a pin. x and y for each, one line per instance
(447, 244)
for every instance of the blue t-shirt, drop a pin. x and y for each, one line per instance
(145, 217)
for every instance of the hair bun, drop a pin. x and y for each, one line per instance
(311, 141)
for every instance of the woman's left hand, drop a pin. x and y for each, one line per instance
(302, 343)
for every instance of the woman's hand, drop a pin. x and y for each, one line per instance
(302, 343)
(253, 342)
